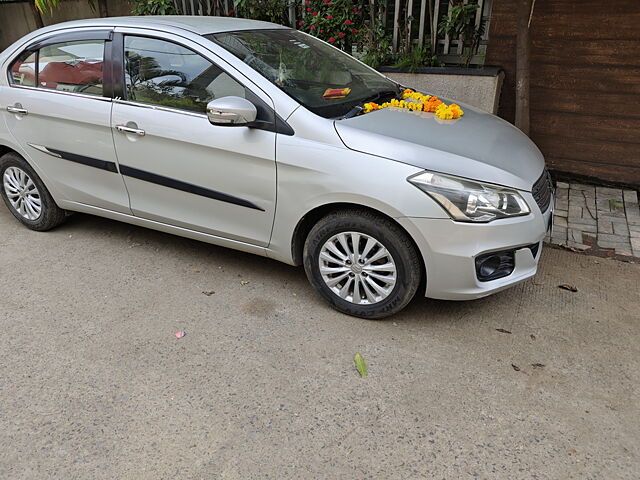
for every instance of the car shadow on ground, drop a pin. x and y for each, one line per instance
(194, 252)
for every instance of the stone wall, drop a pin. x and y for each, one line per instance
(481, 91)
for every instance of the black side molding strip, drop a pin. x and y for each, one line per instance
(148, 177)
(186, 187)
(88, 161)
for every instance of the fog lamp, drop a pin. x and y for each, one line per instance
(492, 266)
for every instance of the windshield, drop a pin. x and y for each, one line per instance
(325, 80)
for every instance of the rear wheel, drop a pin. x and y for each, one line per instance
(363, 264)
(26, 196)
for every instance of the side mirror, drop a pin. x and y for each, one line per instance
(231, 112)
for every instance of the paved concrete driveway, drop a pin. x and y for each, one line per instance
(94, 384)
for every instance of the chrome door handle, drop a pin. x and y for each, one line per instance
(125, 129)
(18, 110)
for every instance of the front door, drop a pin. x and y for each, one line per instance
(57, 109)
(178, 168)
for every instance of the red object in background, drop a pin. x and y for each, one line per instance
(82, 73)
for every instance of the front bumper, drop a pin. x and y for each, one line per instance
(449, 250)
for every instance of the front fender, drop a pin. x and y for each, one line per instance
(313, 174)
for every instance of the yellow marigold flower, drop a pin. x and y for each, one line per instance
(415, 101)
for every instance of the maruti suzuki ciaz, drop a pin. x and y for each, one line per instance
(254, 136)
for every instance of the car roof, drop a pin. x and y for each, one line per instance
(200, 25)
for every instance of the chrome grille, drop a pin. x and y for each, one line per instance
(542, 191)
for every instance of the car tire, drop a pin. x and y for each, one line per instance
(26, 196)
(385, 268)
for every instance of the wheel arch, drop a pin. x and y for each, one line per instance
(10, 148)
(4, 149)
(306, 223)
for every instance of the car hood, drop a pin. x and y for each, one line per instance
(478, 145)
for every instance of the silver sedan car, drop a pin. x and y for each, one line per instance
(253, 136)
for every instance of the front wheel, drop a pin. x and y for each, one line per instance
(363, 264)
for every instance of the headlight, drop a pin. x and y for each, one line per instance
(470, 201)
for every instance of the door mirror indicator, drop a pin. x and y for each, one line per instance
(231, 112)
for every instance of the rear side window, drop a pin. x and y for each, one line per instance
(23, 70)
(75, 66)
(164, 73)
(72, 67)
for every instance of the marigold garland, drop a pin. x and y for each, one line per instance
(418, 102)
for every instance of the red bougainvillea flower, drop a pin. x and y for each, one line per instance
(354, 31)
(331, 39)
(306, 3)
(314, 13)
(329, 17)
(348, 22)
(341, 34)
(312, 27)
(321, 31)
(355, 10)
(327, 2)
(300, 23)
(231, 12)
(308, 9)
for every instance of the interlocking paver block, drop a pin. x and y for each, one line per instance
(630, 196)
(612, 214)
(584, 228)
(605, 225)
(582, 221)
(609, 192)
(575, 235)
(606, 237)
(581, 186)
(620, 229)
(576, 198)
(575, 212)
(579, 246)
(559, 221)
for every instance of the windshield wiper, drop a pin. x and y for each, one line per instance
(358, 107)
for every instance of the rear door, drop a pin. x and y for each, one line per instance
(178, 168)
(58, 107)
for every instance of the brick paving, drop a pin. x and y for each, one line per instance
(600, 220)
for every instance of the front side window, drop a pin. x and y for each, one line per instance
(166, 74)
(323, 79)
(72, 67)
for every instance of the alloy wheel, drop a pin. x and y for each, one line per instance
(358, 268)
(22, 193)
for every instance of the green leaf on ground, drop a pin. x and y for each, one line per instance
(361, 365)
